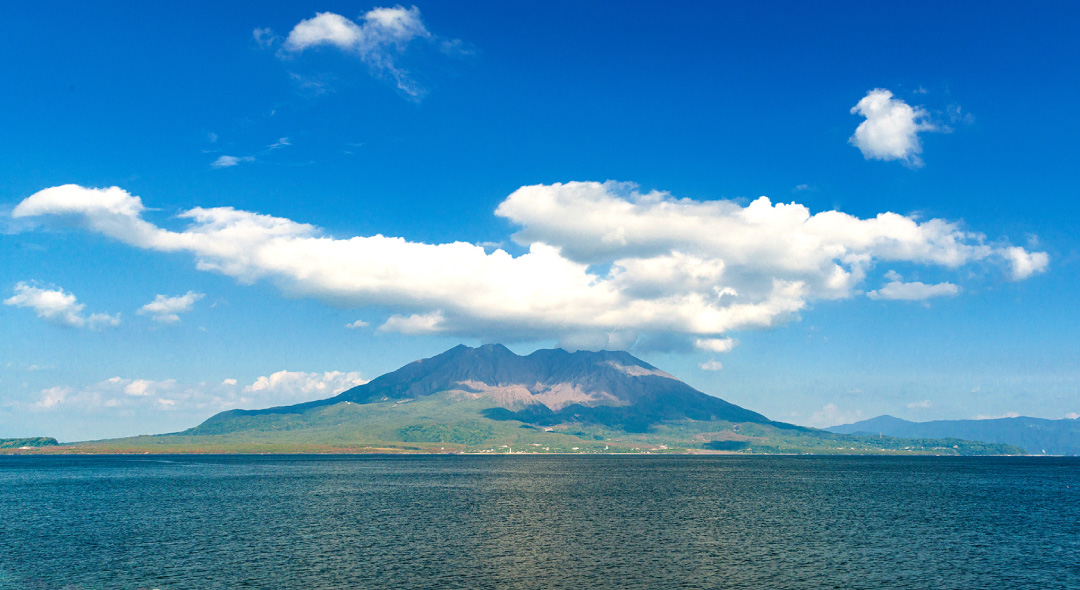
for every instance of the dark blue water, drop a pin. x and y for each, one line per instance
(351, 522)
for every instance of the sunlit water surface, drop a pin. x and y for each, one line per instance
(521, 522)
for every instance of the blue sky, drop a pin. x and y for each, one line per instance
(540, 174)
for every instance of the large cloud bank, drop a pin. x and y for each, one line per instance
(606, 264)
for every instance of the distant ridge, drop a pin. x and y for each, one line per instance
(1038, 436)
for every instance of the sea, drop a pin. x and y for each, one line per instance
(538, 521)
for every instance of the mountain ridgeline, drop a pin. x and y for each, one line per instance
(551, 386)
(1038, 436)
(490, 400)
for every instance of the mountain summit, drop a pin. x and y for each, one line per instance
(549, 386)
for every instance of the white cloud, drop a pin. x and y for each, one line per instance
(1072, 416)
(265, 37)
(144, 387)
(417, 323)
(230, 161)
(831, 415)
(920, 405)
(115, 392)
(716, 344)
(605, 264)
(378, 40)
(996, 417)
(166, 309)
(52, 397)
(1025, 264)
(58, 307)
(891, 129)
(305, 385)
(356, 325)
(914, 291)
(280, 143)
(119, 394)
(711, 365)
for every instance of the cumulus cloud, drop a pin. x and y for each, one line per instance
(891, 129)
(378, 39)
(356, 325)
(59, 307)
(1024, 264)
(914, 291)
(605, 264)
(297, 384)
(166, 309)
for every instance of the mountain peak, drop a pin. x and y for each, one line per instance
(549, 385)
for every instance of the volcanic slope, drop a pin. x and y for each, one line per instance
(489, 399)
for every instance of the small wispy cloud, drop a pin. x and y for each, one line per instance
(711, 365)
(265, 37)
(166, 310)
(920, 405)
(996, 417)
(356, 325)
(230, 161)
(417, 323)
(716, 344)
(831, 415)
(226, 161)
(914, 291)
(378, 39)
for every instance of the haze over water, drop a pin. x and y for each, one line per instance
(538, 522)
